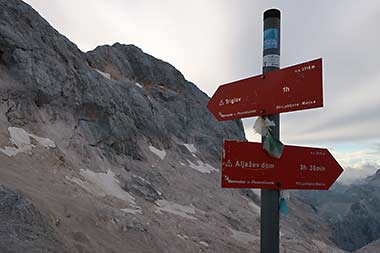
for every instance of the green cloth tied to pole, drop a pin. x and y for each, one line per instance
(273, 146)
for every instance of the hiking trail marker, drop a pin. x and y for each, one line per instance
(293, 88)
(246, 164)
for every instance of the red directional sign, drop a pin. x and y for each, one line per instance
(247, 165)
(294, 88)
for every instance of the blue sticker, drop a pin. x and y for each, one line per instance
(284, 207)
(271, 38)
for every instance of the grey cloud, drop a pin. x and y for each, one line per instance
(376, 148)
(352, 175)
(362, 123)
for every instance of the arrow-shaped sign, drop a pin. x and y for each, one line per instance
(247, 165)
(290, 89)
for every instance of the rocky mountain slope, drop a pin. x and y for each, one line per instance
(353, 211)
(114, 151)
(23, 227)
(373, 247)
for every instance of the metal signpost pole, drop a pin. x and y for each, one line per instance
(268, 95)
(270, 218)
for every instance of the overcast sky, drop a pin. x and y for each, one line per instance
(217, 41)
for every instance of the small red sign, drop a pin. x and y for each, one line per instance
(293, 88)
(247, 165)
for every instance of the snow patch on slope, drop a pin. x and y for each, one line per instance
(160, 153)
(257, 192)
(148, 183)
(191, 148)
(177, 209)
(103, 184)
(183, 237)
(203, 243)
(45, 142)
(202, 167)
(106, 75)
(132, 211)
(22, 143)
(139, 85)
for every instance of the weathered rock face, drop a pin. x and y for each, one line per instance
(370, 248)
(374, 179)
(178, 108)
(114, 112)
(134, 165)
(23, 228)
(361, 225)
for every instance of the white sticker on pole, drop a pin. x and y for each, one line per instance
(262, 125)
(271, 60)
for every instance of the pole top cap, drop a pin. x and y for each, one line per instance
(272, 13)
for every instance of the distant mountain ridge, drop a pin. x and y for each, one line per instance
(374, 179)
(352, 211)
